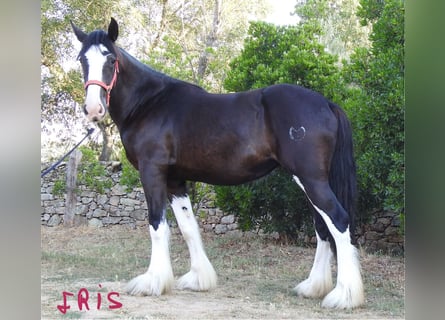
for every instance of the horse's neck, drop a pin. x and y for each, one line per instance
(136, 84)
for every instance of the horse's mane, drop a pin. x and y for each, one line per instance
(155, 73)
(166, 85)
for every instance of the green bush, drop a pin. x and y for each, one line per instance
(59, 187)
(130, 176)
(91, 172)
(378, 107)
(200, 193)
(273, 203)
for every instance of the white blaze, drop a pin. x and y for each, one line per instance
(93, 102)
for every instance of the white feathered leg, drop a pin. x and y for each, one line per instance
(348, 292)
(202, 276)
(159, 277)
(319, 282)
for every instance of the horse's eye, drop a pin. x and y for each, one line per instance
(111, 59)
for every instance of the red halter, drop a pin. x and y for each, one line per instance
(103, 84)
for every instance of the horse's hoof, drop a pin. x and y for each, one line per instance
(149, 285)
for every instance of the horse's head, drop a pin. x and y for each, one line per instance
(98, 57)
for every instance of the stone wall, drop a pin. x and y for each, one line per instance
(117, 206)
(383, 233)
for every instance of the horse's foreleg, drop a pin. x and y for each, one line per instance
(202, 276)
(159, 277)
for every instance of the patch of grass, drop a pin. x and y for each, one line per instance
(253, 272)
(94, 261)
(73, 315)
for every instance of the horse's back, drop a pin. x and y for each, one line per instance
(295, 101)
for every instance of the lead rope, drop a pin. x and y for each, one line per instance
(51, 168)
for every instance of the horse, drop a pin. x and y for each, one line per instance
(173, 132)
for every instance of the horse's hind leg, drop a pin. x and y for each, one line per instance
(202, 276)
(348, 292)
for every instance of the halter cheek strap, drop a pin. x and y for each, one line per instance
(103, 84)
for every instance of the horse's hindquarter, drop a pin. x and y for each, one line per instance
(222, 139)
(290, 105)
(303, 123)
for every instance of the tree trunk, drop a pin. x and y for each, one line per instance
(211, 39)
(107, 145)
(162, 25)
(71, 181)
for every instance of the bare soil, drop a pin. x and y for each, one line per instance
(256, 277)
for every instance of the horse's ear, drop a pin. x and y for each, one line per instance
(79, 33)
(113, 30)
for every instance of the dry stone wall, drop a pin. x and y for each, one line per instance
(118, 206)
(383, 233)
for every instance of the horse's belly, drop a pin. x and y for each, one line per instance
(224, 173)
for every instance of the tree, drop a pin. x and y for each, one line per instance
(284, 54)
(340, 31)
(197, 38)
(378, 102)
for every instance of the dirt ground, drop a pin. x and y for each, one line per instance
(256, 277)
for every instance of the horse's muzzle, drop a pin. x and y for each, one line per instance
(95, 116)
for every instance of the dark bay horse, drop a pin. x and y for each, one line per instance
(174, 132)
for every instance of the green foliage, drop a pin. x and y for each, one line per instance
(91, 172)
(59, 187)
(275, 54)
(379, 107)
(200, 193)
(171, 60)
(402, 224)
(130, 176)
(273, 203)
(340, 27)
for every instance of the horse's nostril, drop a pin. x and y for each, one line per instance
(101, 110)
(84, 108)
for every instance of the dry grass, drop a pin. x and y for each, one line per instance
(256, 277)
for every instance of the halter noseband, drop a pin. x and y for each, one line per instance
(103, 84)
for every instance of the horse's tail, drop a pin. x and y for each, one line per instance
(342, 175)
